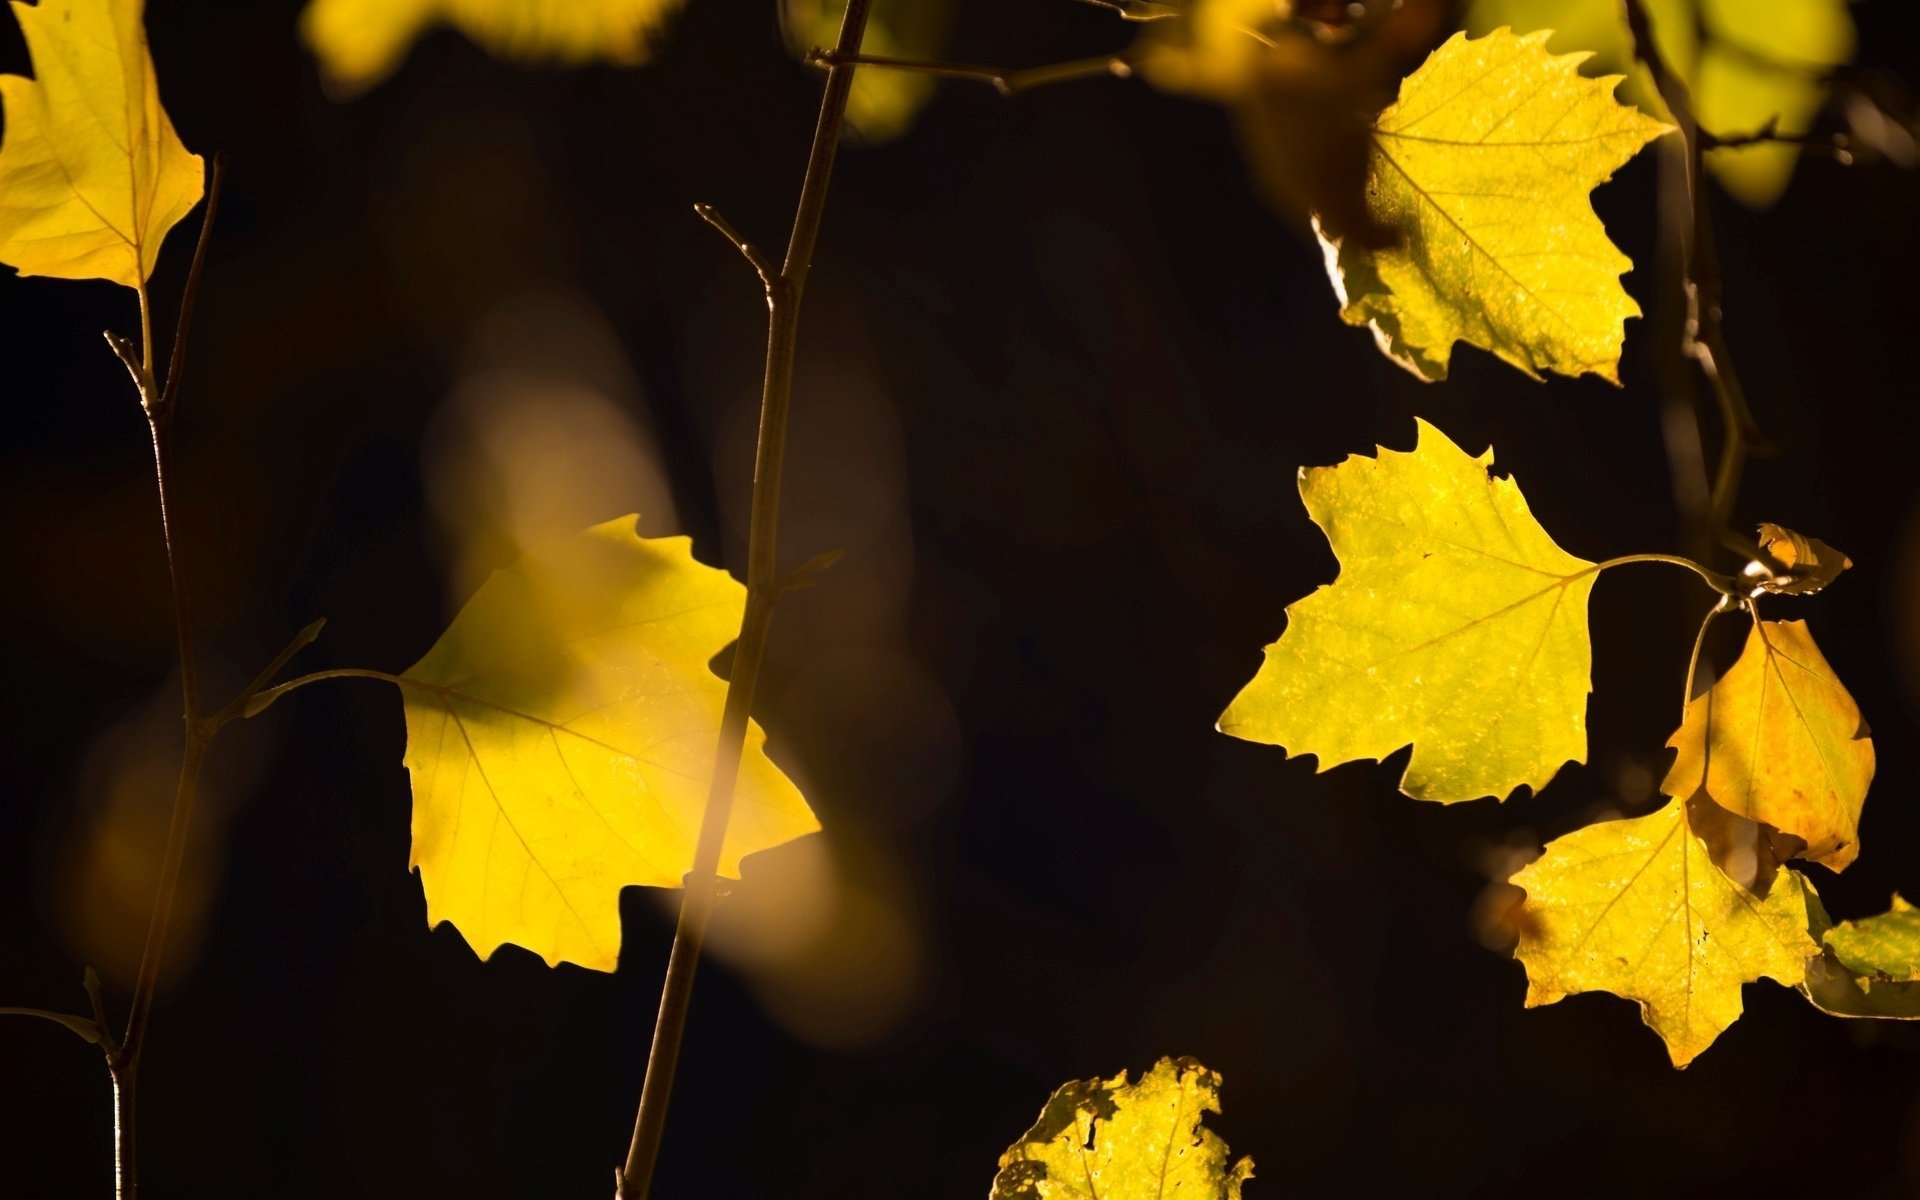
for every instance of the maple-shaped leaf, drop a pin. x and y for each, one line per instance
(1107, 1139)
(1778, 740)
(92, 175)
(1456, 624)
(1748, 65)
(361, 42)
(1638, 908)
(560, 738)
(1484, 166)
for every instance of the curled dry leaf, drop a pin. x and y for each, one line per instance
(1810, 563)
(1456, 624)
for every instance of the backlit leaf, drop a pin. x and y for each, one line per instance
(92, 175)
(1778, 740)
(361, 42)
(560, 737)
(1884, 947)
(1456, 624)
(1637, 908)
(1113, 1140)
(1484, 165)
(1810, 563)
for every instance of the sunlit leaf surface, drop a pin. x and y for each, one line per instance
(361, 42)
(1113, 1140)
(1637, 908)
(92, 175)
(1778, 740)
(1884, 947)
(560, 737)
(1484, 165)
(1456, 624)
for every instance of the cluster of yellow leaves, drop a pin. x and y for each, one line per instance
(1108, 1139)
(1748, 64)
(1457, 625)
(92, 175)
(360, 42)
(560, 737)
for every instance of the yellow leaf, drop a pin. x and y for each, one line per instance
(1761, 61)
(1484, 166)
(361, 42)
(560, 737)
(1456, 624)
(92, 175)
(1778, 740)
(1811, 564)
(1637, 908)
(1114, 1140)
(1884, 947)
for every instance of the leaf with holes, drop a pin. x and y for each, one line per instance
(1484, 166)
(92, 175)
(1778, 740)
(1638, 908)
(1107, 1139)
(1456, 624)
(361, 42)
(560, 737)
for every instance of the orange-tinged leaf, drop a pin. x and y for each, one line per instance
(560, 737)
(1778, 740)
(92, 175)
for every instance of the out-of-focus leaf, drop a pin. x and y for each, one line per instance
(1778, 740)
(1484, 165)
(92, 175)
(560, 737)
(361, 42)
(883, 103)
(1113, 1140)
(1637, 908)
(1811, 564)
(1456, 624)
(1760, 61)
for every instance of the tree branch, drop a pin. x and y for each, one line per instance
(1005, 81)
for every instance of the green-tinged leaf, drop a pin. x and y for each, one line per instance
(1778, 740)
(1484, 165)
(1762, 62)
(92, 175)
(560, 737)
(361, 42)
(1113, 1140)
(1637, 908)
(1456, 624)
(1884, 948)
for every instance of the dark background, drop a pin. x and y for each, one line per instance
(1058, 367)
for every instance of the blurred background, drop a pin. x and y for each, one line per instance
(1059, 361)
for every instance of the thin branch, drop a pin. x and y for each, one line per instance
(761, 267)
(240, 704)
(82, 1027)
(1704, 339)
(177, 364)
(1835, 144)
(784, 293)
(1003, 80)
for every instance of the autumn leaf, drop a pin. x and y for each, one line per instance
(1810, 563)
(1778, 740)
(1884, 947)
(361, 42)
(92, 175)
(560, 737)
(1637, 908)
(1456, 624)
(1114, 1140)
(1760, 63)
(1484, 166)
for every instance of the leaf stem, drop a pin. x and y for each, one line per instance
(1003, 80)
(1726, 585)
(784, 293)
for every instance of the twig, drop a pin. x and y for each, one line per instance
(177, 363)
(1703, 338)
(761, 267)
(784, 293)
(1835, 144)
(1006, 82)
